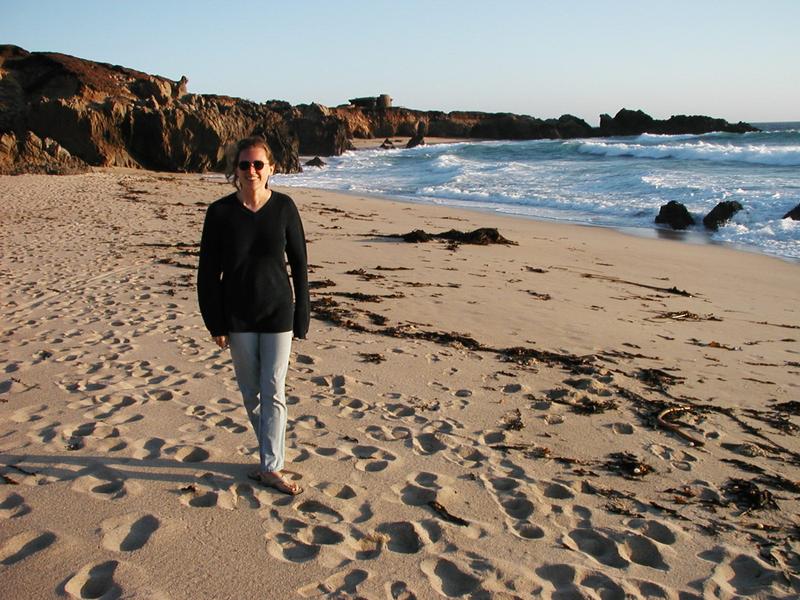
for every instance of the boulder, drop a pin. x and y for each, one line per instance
(675, 215)
(721, 213)
(626, 122)
(793, 214)
(315, 162)
(387, 144)
(416, 140)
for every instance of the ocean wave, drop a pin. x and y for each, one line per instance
(782, 156)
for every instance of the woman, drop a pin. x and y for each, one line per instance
(246, 299)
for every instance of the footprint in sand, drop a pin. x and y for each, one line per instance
(25, 544)
(681, 460)
(104, 483)
(655, 530)
(450, 578)
(147, 448)
(516, 505)
(643, 551)
(399, 590)
(339, 585)
(740, 574)
(381, 433)
(187, 453)
(30, 414)
(95, 580)
(403, 537)
(595, 545)
(372, 459)
(12, 506)
(128, 532)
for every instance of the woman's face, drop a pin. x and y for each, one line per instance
(251, 178)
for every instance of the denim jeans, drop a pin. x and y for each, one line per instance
(261, 361)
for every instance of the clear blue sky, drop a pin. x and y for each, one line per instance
(732, 59)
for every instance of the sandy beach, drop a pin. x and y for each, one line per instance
(580, 414)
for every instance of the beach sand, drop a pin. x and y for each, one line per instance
(436, 461)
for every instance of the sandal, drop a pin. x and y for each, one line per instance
(277, 481)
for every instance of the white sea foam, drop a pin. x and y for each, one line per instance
(786, 156)
(609, 181)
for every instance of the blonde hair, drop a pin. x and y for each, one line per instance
(234, 150)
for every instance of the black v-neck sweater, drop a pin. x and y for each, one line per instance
(242, 282)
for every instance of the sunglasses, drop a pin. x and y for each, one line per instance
(244, 165)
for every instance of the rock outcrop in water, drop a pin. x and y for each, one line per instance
(636, 122)
(721, 214)
(675, 215)
(59, 113)
(793, 214)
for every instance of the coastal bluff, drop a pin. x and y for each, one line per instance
(62, 114)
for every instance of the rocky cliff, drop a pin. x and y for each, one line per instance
(59, 113)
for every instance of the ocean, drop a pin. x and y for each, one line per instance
(615, 182)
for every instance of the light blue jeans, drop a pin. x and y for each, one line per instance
(261, 361)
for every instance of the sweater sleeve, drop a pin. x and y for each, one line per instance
(298, 261)
(209, 278)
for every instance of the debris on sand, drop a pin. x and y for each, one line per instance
(628, 465)
(482, 236)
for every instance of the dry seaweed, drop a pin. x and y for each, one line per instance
(482, 236)
(512, 421)
(372, 357)
(672, 290)
(539, 296)
(446, 514)
(773, 480)
(685, 315)
(172, 262)
(748, 496)
(658, 378)
(363, 275)
(361, 297)
(589, 406)
(628, 465)
(713, 344)
(661, 420)
(792, 407)
(324, 283)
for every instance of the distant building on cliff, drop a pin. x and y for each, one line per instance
(383, 101)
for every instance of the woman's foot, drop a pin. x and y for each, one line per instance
(277, 481)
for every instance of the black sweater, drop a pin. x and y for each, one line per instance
(242, 283)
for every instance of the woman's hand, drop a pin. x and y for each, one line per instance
(221, 341)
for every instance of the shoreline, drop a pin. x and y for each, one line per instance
(696, 234)
(657, 232)
(471, 421)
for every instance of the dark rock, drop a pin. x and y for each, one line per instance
(417, 140)
(626, 122)
(793, 214)
(721, 213)
(315, 162)
(482, 236)
(675, 215)
(106, 115)
(636, 122)
(418, 235)
(387, 144)
(696, 124)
